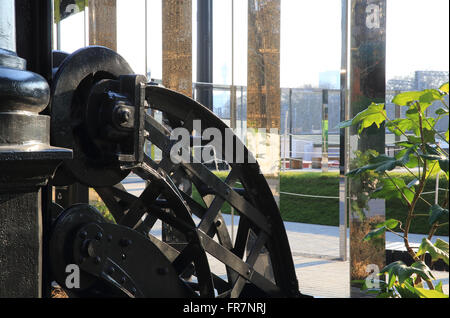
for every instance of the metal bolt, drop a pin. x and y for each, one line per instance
(111, 270)
(218, 223)
(123, 280)
(124, 256)
(99, 236)
(123, 115)
(133, 291)
(83, 234)
(97, 260)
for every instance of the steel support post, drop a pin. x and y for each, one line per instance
(26, 162)
(205, 52)
(367, 71)
(343, 136)
(325, 130)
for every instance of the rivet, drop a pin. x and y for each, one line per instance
(83, 234)
(123, 280)
(125, 242)
(99, 236)
(97, 260)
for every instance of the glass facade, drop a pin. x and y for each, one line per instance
(273, 61)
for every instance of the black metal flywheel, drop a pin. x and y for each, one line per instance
(258, 263)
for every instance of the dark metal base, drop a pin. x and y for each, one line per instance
(20, 244)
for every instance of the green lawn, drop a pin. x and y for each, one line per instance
(326, 211)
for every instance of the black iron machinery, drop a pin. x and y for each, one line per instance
(102, 111)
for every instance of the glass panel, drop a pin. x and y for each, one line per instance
(131, 33)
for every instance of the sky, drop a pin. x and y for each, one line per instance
(417, 38)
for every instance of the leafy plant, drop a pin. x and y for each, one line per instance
(422, 156)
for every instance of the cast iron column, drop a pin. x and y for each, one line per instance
(26, 162)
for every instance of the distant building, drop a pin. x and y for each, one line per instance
(330, 80)
(430, 79)
(401, 84)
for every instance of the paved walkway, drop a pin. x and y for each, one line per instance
(315, 250)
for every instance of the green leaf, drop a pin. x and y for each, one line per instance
(438, 287)
(345, 124)
(423, 267)
(444, 88)
(412, 122)
(375, 233)
(427, 293)
(381, 229)
(403, 272)
(437, 214)
(383, 163)
(407, 291)
(389, 190)
(435, 252)
(400, 126)
(442, 112)
(442, 245)
(443, 164)
(429, 136)
(374, 114)
(404, 99)
(407, 158)
(433, 168)
(429, 96)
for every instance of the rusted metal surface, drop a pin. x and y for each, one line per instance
(103, 23)
(177, 45)
(263, 88)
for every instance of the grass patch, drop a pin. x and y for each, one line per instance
(326, 211)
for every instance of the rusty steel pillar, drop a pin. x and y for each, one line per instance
(26, 162)
(103, 23)
(177, 45)
(264, 96)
